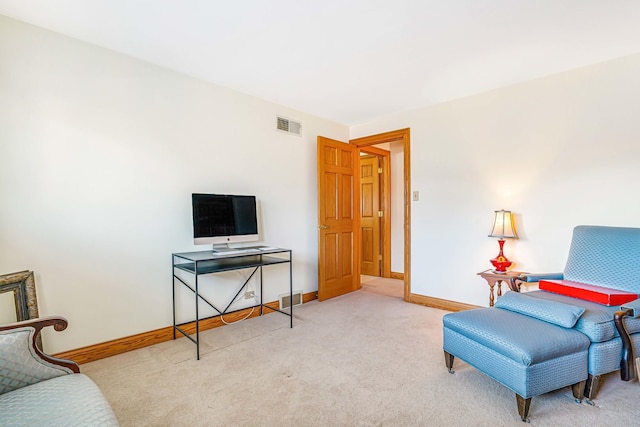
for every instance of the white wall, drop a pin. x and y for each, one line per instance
(397, 206)
(558, 152)
(99, 156)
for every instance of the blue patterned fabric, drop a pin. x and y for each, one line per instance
(555, 312)
(69, 400)
(597, 324)
(604, 357)
(20, 366)
(35, 392)
(526, 380)
(605, 256)
(503, 331)
(633, 305)
(597, 320)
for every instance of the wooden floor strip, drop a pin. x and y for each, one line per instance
(442, 304)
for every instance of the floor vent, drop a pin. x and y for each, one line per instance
(285, 299)
(289, 126)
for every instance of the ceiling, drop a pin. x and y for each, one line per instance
(351, 61)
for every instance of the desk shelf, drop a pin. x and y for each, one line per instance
(209, 262)
(228, 264)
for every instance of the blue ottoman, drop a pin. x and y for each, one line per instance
(528, 355)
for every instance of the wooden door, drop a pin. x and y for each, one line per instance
(338, 251)
(369, 215)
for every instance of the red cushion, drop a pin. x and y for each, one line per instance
(599, 294)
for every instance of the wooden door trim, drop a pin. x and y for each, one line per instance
(385, 205)
(375, 150)
(403, 135)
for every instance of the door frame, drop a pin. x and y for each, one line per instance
(403, 135)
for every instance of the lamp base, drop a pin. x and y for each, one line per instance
(500, 262)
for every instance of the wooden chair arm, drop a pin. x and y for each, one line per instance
(627, 372)
(517, 281)
(59, 324)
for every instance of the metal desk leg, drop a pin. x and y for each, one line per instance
(197, 314)
(291, 290)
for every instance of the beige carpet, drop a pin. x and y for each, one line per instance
(362, 359)
(382, 286)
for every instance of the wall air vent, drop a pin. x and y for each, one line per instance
(289, 126)
(285, 299)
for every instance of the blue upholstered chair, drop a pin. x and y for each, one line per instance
(541, 341)
(607, 257)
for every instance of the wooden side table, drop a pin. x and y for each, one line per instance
(494, 279)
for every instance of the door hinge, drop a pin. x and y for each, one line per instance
(379, 170)
(380, 257)
(380, 214)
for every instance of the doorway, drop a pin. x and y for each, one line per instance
(375, 212)
(338, 218)
(378, 146)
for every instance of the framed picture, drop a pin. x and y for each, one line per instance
(23, 286)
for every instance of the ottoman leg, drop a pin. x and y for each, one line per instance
(448, 361)
(523, 407)
(578, 391)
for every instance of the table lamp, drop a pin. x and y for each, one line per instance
(502, 229)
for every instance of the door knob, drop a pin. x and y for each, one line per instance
(322, 227)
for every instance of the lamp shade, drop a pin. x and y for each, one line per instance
(503, 226)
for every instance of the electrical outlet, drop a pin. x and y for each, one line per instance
(249, 294)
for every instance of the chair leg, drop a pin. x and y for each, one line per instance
(448, 361)
(627, 359)
(523, 407)
(578, 391)
(591, 388)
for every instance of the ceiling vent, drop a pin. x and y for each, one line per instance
(288, 126)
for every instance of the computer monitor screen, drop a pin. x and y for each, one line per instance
(224, 218)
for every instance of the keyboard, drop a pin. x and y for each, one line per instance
(238, 251)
